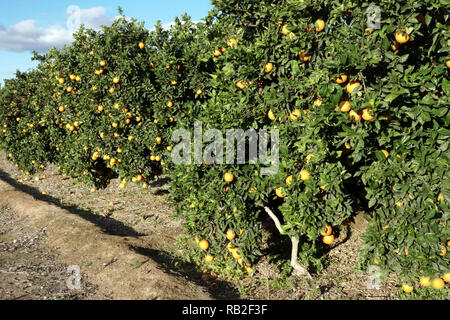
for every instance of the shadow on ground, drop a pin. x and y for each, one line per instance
(169, 264)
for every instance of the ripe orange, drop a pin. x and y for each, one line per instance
(78, 78)
(61, 80)
(354, 115)
(232, 42)
(100, 108)
(407, 288)
(228, 177)
(103, 63)
(320, 25)
(294, 115)
(366, 115)
(203, 244)
(402, 37)
(345, 106)
(317, 102)
(304, 175)
(199, 92)
(61, 109)
(268, 67)
(341, 79)
(230, 234)
(72, 77)
(304, 57)
(328, 230)
(395, 46)
(69, 89)
(386, 153)
(443, 251)
(271, 115)
(289, 181)
(217, 53)
(351, 86)
(446, 277)
(209, 258)
(169, 104)
(285, 30)
(116, 80)
(141, 45)
(280, 193)
(158, 140)
(328, 239)
(447, 63)
(425, 281)
(112, 90)
(438, 283)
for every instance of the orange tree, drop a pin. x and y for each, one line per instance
(361, 113)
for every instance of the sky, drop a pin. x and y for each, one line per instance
(27, 25)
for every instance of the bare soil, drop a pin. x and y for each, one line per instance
(128, 250)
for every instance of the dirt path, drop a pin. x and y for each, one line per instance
(122, 266)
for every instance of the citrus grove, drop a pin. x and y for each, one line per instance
(362, 115)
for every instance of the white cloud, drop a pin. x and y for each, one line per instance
(27, 35)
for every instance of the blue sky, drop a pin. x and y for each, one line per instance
(27, 25)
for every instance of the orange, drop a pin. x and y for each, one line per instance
(230, 235)
(317, 102)
(169, 148)
(72, 77)
(438, 283)
(308, 157)
(351, 86)
(386, 154)
(328, 230)
(141, 45)
(320, 25)
(170, 119)
(116, 80)
(395, 46)
(112, 90)
(447, 63)
(328, 239)
(268, 67)
(289, 181)
(169, 104)
(232, 42)
(199, 92)
(271, 115)
(341, 79)
(425, 281)
(174, 82)
(345, 106)
(446, 277)
(366, 115)
(354, 115)
(402, 37)
(407, 288)
(280, 193)
(294, 115)
(304, 175)
(443, 251)
(158, 140)
(217, 53)
(78, 78)
(61, 109)
(209, 258)
(61, 81)
(228, 177)
(304, 57)
(100, 108)
(103, 63)
(285, 30)
(203, 244)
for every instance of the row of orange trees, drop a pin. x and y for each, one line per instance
(362, 116)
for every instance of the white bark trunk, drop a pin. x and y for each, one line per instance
(298, 269)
